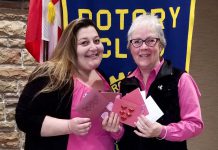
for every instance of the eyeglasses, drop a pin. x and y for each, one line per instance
(151, 42)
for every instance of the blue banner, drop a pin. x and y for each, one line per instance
(114, 18)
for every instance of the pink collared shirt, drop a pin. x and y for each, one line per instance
(97, 138)
(191, 123)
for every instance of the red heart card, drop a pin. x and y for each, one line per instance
(127, 111)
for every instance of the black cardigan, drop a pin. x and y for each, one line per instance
(30, 113)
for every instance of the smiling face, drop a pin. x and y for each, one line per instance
(89, 49)
(144, 56)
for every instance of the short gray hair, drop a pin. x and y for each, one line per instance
(148, 21)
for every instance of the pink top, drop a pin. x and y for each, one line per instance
(191, 123)
(97, 138)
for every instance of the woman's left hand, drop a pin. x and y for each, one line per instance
(111, 123)
(147, 128)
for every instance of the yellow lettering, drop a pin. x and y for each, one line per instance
(122, 12)
(108, 43)
(136, 12)
(108, 14)
(85, 11)
(115, 82)
(162, 14)
(117, 50)
(174, 15)
(115, 88)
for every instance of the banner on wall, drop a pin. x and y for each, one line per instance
(114, 18)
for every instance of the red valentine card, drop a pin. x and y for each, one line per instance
(92, 105)
(127, 111)
(136, 98)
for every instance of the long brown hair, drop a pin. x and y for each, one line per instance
(63, 63)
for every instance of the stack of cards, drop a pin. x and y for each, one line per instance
(99, 104)
(133, 105)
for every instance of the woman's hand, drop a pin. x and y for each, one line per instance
(147, 129)
(79, 126)
(111, 123)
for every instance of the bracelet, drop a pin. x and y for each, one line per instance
(68, 126)
(164, 135)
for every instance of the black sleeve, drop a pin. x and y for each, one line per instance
(30, 111)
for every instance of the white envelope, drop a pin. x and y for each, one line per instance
(153, 109)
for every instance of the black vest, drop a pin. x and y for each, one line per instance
(164, 90)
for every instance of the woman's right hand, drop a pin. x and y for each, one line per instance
(79, 126)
